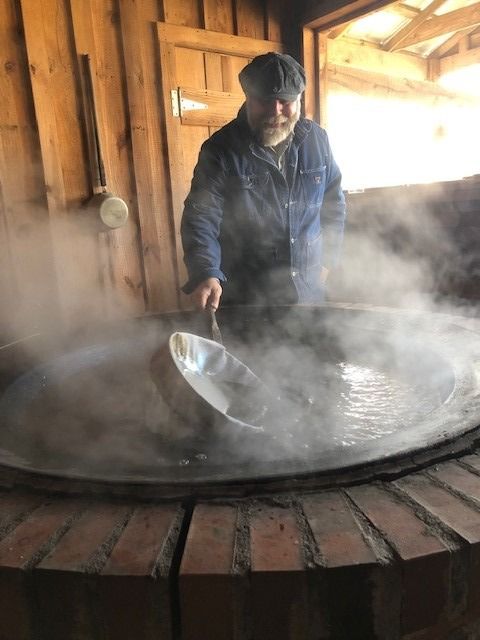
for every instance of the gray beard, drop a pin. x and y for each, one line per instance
(272, 137)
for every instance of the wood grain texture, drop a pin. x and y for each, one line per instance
(250, 19)
(206, 40)
(382, 85)
(96, 32)
(185, 12)
(49, 253)
(218, 15)
(220, 107)
(369, 59)
(27, 279)
(56, 93)
(274, 20)
(321, 100)
(147, 127)
(309, 60)
(231, 67)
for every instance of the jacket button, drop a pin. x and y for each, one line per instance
(294, 273)
(292, 240)
(286, 205)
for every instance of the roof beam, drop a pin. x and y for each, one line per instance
(339, 31)
(459, 60)
(446, 23)
(398, 8)
(358, 56)
(445, 47)
(395, 41)
(332, 13)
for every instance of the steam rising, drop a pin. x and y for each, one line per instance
(94, 409)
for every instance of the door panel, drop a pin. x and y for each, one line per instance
(210, 108)
(201, 93)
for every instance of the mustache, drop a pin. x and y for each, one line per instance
(275, 121)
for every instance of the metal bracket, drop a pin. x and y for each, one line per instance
(175, 106)
(191, 105)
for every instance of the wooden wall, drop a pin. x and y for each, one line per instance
(52, 264)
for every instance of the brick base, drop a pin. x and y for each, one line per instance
(397, 560)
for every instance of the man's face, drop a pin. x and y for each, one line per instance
(272, 121)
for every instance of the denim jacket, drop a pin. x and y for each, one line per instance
(244, 219)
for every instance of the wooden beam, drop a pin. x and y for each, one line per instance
(363, 43)
(446, 23)
(397, 39)
(433, 69)
(209, 41)
(323, 47)
(359, 56)
(459, 60)
(380, 84)
(327, 15)
(339, 31)
(310, 64)
(397, 8)
(445, 47)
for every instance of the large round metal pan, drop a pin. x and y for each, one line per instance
(90, 411)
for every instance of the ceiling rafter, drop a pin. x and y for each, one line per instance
(460, 60)
(397, 39)
(443, 24)
(396, 7)
(339, 31)
(446, 46)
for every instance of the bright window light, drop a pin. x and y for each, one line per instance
(395, 141)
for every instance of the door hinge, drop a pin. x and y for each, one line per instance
(175, 103)
(191, 105)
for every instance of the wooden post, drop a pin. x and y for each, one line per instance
(322, 48)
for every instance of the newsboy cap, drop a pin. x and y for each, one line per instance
(275, 76)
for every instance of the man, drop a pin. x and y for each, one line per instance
(263, 222)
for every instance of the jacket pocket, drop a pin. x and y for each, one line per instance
(250, 182)
(313, 185)
(246, 199)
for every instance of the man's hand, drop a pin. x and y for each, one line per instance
(207, 293)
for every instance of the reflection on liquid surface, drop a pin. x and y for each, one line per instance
(96, 412)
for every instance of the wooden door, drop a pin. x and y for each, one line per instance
(201, 93)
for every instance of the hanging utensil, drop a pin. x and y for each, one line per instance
(109, 210)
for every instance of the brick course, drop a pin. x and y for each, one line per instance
(392, 560)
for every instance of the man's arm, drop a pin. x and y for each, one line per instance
(200, 229)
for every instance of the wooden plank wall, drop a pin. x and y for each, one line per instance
(52, 265)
